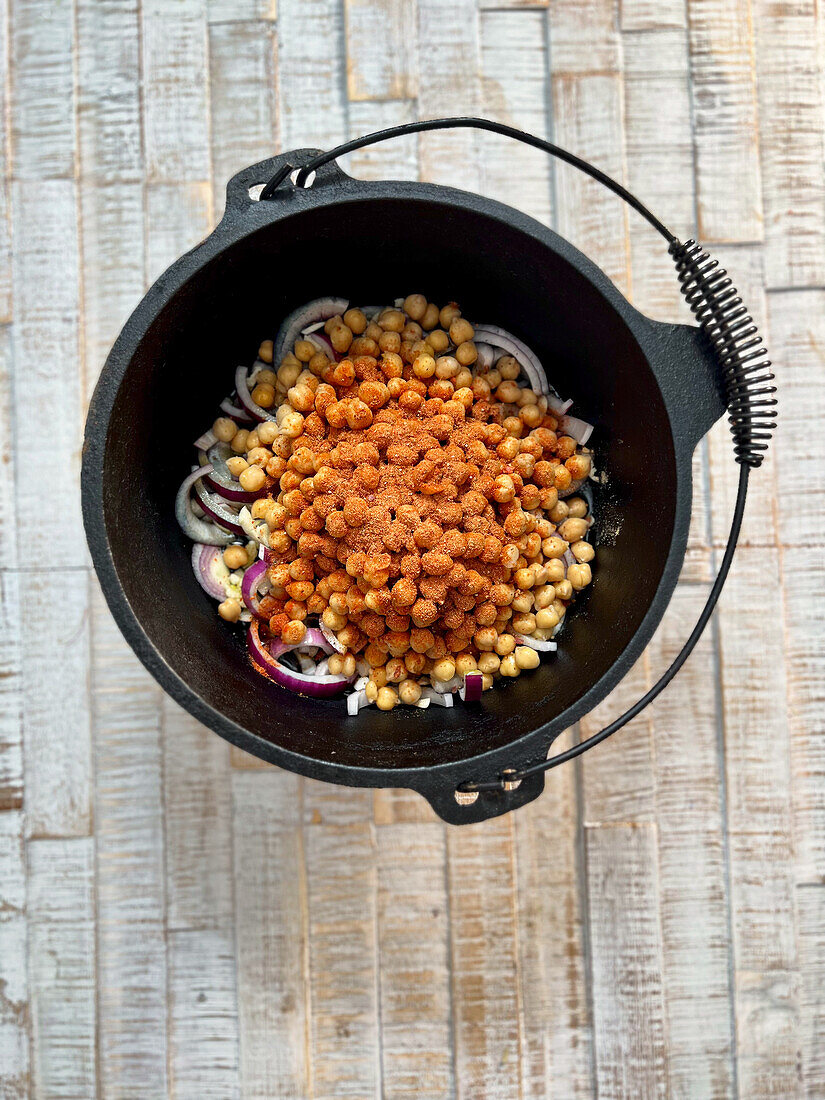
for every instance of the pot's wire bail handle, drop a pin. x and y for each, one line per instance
(741, 357)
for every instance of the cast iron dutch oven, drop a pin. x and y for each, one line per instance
(652, 389)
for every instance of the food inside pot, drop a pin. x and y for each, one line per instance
(395, 503)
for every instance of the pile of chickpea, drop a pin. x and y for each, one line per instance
(489, 545)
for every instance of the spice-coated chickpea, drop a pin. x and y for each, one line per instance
(526, 657)
(514, 426)
(485, 638)
(522, 601)
(409, 692)
(579, 575)
(578, 466)
(424, 366)
(396, 670)
(294, 632)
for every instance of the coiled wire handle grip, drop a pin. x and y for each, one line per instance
(741, 356)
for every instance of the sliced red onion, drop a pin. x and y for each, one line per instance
(229, 408)
(331, 638)
(198, 530)
(529, 361)
(205, 441)
(556, 405)
(245, 398)
(472, 688)
(308, 331)
(256, 529)
(321, 309)
(208, 566)
(577, 429)
(567, 557)
(446, 687)
(318, 687)
(253, 578)
(356, 701)
(313, 637)
(534, 643)
(486, 356)
(323, 343)
(436, 697)
(218, 509)
(361, 683)
(423, 703)
(222, 481)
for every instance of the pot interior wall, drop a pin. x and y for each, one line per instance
(372, 251)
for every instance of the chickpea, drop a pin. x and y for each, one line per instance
(531, 415)
(462, 381)
(355, 320)
(294, 632)
(392, 320)
(583, 551)
(576, 507)
(238, 442)
(494, 378)
(563, 590)
(464, 663)
(234, 557)
(488, 663)
(253, 440)
(526, 657)
(292, 424)
(514, 426)
(460, 330)
(236, 466)
(415, 662)
(508, 667)
(386, 698)
(288, 373)
(336, 664)
(504, 489)
(341, 337)
(508, 392)
(252, 479)
(265, 350)
(230, 610)
(446, 367)
(505, 644)
(522, 602)
(260, 507)
(573, 530)
(429, 319)
(259, 456)
(444, 669)
(579, 575)
(424, 366)
(508, 449)
(371, 690)
(396, 670)
(466, 353)
(524, 623)
(554, 547)
(439, 341)
(525, 578)
(485, 638)
(409, 692)
(225, 429)
(559, 512)
(267, 432)
(390, 341)
(333, 620)
(547, 619)
(486, 682)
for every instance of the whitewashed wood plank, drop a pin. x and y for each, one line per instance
(178, 216)
(11, 694)
(652, 15)
(413, 915)
(626, 944)
(803, 578)
(5, 168)
(203, 1016)
(723, 84)
(696, 955)
(14, 1012)
(198, 823)
(588, 121)
(5, 250)
(509, 5)
(745, 267)
(240, 759)
(8, 530)
(331, 804)
(398, 807)
(61, 952)
(380, 48)
(759, 821)
(484, 961)
(175, 90)
(244, 99)
(585, 38)
(107, 60)
(343, 960)
(42, 105)
(556, 1027)
(797, 326)
(271, 918)
(56, 711)
(514, 68)
(240, 11)
(47, 386)
(451, 85)
(312, 76)
(790, 140)
(395, 159)
(129, 867)
(810, 903)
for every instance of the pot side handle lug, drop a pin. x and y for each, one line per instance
(244, 187)
(691, 380)
(441, 795)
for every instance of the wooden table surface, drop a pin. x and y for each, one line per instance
(178, 920)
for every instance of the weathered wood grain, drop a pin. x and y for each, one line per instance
(42, 106)
(175, 92)
(414, 979)
(696, 956)
(243, 99)
(760, 828)
(626, 943)
(240, 11)
(790, 142)
(311, 66)
(197, 823)
(203, 1015)
(107, 60)
(47, 386)
(8, 526)
(514, 63)
(725, 123)
(380, 45)
(652, 15)
(585, 37)
(395, 159)
(452, 87)
(396, 807)
(129, 871)
(61, 953)
(506, 5)
(484, 961)
(5, 167)
(55, 697)
(14, 993)
(810, 903)
(11, 692)
(271, 922)
(341, 885)
(178, 216)
(556, 1021)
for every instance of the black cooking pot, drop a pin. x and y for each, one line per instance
(652, 389)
